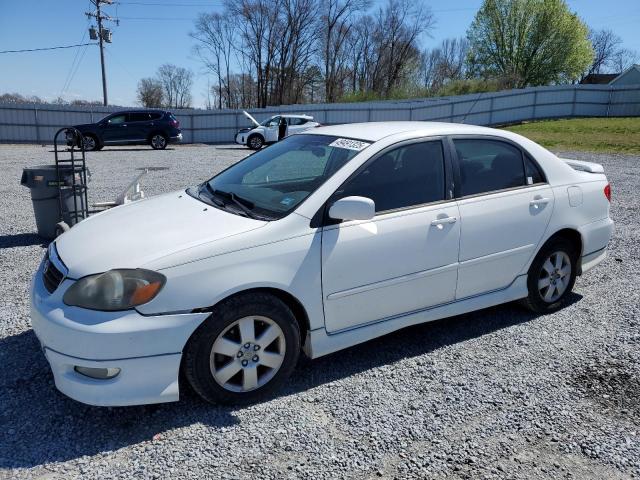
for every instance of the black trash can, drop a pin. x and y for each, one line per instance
(43, 183)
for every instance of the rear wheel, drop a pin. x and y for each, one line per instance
(245, 350)
(551, 276)
(158, 141)
(255, 142)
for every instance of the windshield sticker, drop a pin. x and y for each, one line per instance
(287, 201)
(349, 144)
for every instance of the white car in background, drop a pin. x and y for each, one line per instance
(324, 240)
(266, 132)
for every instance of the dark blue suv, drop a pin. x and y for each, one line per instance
(157, 128)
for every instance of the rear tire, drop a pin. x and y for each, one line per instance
(158, 141)
(244, 351)
(551, 276)
(255, 142)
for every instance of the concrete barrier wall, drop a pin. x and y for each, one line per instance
(38, 123)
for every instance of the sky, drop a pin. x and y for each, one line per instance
(153, 32)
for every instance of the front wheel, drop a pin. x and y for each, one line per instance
(158, 141)
(90, 143)
(551, 276)
(255, 142)
(245, 350)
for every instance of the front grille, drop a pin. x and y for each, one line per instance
(51, 276)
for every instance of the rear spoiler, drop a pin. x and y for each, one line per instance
(581, 166)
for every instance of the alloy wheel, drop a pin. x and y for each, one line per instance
(247, 354)
(158, 141)
(555, 276)
(89, 143)
(255, 142)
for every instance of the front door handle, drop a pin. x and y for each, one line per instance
(441, 222)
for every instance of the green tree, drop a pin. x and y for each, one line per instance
(528, 42)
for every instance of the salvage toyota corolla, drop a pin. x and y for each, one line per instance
(322, 241)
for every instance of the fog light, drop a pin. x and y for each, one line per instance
(99, 373)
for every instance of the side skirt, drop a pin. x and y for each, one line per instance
(319, 342)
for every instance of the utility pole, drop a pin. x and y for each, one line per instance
(102, 35)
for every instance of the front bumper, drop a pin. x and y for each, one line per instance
(241, 137)
(146, 349)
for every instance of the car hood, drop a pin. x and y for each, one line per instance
(85, 126)
(251, 119)
(135, 234)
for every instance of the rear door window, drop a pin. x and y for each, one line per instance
(138, 117)
(533, 172)
(488, 165)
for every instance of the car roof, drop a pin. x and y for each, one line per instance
(140, 110)
(308, 117)
(374, 131)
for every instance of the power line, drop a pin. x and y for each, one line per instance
(47, 48)
(73, 74)
(158, 18)
(210, 4)
(65, 85)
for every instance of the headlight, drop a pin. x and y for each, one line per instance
(115, 290)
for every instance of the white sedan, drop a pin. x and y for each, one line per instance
(322, 241)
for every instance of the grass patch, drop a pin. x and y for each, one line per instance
(610, 135)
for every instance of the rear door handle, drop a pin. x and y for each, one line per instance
(440, 222)
(538, 201)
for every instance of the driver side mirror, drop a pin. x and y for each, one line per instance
(353, 208)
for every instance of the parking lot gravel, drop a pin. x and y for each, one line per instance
(500, 393)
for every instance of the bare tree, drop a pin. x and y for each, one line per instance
(297, 46)
(150, 93)
(176, 84)
(216, 35)
(399, 27)
(259, 26)
(336, 23)
(623, 59)
(609, 55)
(605, 46)
(444, 64)
(17, 98)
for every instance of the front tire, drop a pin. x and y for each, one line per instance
(255, 142)
(551, 276)
(244, 351)
(90, 143)
(158, 141)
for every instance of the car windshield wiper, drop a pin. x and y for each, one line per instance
(242, 203)
(213, 193)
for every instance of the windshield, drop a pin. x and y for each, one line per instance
(274, 181)
(271, 122)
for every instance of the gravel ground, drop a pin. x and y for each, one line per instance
(499, 393)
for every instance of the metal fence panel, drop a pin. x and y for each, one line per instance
(38, 123)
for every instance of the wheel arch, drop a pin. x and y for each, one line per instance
(574, 236)
(296, 306)
(256, 134)
(155, 132)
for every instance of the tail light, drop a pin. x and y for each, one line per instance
(175, 123)
(607, 192)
